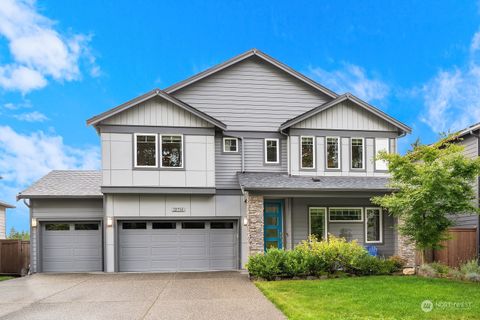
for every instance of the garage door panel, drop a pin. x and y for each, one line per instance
(71, 250)
(178, 246)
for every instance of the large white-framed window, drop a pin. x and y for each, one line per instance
(272, 151)
(230, 145)
(171, 151)
(307, 152)
(373, 225)
(345, 214)
(381, 144)
(332, 150)
(146, 150)
(317, 222)
(357, 151)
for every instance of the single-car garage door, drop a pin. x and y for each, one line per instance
(71, 247)
(177, 245)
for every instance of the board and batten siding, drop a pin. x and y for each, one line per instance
(157, 112)
(3, 231)
(60, 210)
(345, 154)
(117, 164)
(252, 95)
(354, 230)
(470, 143)
(346, 116)
(228, 164)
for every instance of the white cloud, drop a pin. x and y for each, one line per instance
(25, 158)
(33, 116)
(354, 79)
(452, 97)
(38, 51)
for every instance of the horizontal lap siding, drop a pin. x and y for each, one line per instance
(252, 95)
(255, 156)
(470, 144)
(3, 230)
(354, 230)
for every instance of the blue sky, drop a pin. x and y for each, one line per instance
(61, 64)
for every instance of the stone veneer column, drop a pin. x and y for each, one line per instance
(405, 248)
(254, 223)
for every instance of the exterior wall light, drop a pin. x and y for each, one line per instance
(109, 222)
(34, 223)
(245, 221)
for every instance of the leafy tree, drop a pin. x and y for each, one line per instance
(18, 235)
(430, 183)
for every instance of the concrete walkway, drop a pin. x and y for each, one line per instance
(215, 295)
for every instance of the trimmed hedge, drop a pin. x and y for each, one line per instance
(318, 258)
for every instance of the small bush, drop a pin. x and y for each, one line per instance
(296, 264)
(426, 270)
(455, 274)
(470, 267)
(268, 265)
(472, 276)
(440, 268)
(398, 262)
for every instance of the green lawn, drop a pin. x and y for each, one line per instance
(2, 278)
(380, 297)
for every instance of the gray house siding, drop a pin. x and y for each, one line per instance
(227, 165)
(60, 210)
(346, 116)
(471, 150)
(353, 230)
(251, 95)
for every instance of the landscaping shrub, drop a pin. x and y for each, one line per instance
(398, 262)
(441, 269)
(470, 267)
(427, 270)
(317, 258)
(472, 276)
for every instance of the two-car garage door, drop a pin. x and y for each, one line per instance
(177, 245)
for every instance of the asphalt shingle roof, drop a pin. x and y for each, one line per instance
(66, 183)
(282, 181)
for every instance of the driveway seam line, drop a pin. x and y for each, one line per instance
(158, 296)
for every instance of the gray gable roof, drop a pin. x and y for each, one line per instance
(66, 184)
(6, 205)
(153, 93)
(251, 181)
(339, 99)
(246, 55)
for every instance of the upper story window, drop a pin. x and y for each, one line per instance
(145, 150)
(381, 144)
(230, 145)
(358, 153)
(333, 153)
(307, 152)
(172, 151)
(272, 151)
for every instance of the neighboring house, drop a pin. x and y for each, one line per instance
(469, 138)
(3, 218)
(244, 156)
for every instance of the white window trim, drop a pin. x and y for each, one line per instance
(314, 151)
(339, 153)
(346, 221)
(161, 150)
(230, 138)
(135, 153)
(381, 225)
(324, 221)
(265, 150)
(363, 153)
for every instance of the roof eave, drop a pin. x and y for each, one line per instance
(43, 196)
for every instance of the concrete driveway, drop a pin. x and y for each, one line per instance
(215, 295)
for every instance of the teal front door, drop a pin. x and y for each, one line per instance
(272, 231)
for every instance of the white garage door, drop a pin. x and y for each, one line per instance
(177, 245)
(71, 247)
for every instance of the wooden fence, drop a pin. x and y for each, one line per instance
(14, 257)
(461, 247)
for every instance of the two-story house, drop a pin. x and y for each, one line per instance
(245, 156)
